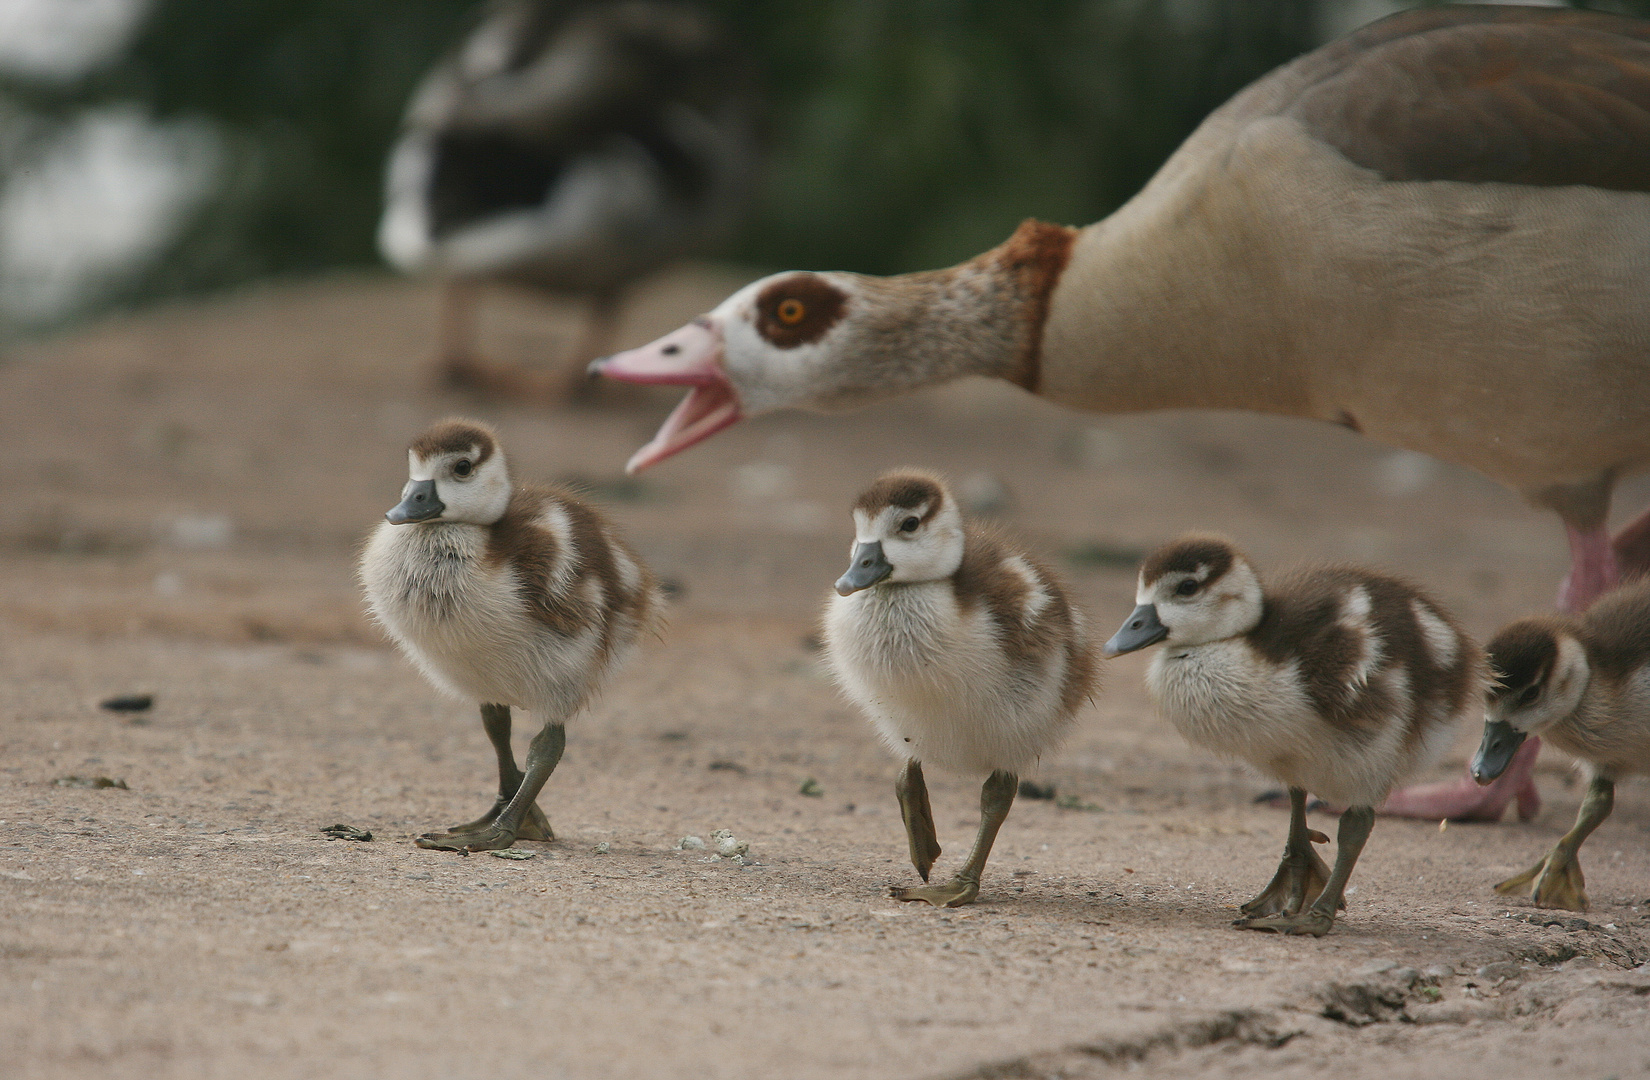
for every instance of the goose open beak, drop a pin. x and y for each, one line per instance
(691, 356)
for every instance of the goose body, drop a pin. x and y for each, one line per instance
(1335, 680)
(572, 147)
(508, 595)
(960, 649)
(1435, 231)
(1583, 684)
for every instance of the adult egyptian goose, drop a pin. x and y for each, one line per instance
(1583, 683)
(961, 650)
(1334, 680)
(1432, 231)
(507, 595)
(573, 147)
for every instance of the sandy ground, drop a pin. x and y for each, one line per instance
(183, 496)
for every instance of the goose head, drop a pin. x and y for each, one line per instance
(906, 529)
(456, 473)
(1192, 591)
(1542, 674)
(832, 340)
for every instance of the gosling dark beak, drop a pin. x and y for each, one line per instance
(418, 503)
(868, 568)
(1501, 741)
(1139, 630)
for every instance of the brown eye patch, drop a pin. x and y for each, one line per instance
(798, 309)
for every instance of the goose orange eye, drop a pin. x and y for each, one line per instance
(462, 468)
(791, 310)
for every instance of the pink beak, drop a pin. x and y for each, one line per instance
(691, 356)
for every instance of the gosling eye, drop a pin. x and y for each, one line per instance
(463, 468)
(909, 525)
(1528, 697)
(1187, 587)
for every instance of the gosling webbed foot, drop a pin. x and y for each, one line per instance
(535, 826)
(1559, 882)
(493, 837)
(1301, 876)
(954, 893)
(1313, 921)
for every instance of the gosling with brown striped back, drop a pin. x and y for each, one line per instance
(1583, 684)
(1335, 680)
(961, 650)
(507, 594)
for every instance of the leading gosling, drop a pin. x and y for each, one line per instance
(1335, 680)
(1583, 684)
(505, 594)
(961, 650)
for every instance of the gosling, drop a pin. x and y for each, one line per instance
(508, 595)
(961, 650)
(1583, 684)
(1335, 680)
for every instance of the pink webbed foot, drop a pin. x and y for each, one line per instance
(1463, 800)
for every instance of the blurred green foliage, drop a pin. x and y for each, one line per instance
(904, 133)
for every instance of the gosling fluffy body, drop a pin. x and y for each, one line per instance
(968, 654)
(1336, 680)
(516, 595)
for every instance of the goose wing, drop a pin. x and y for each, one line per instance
(1480, 94)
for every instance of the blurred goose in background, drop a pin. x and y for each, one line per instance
(1333, 679)
(1433, 231)
(1584, 683)
(569, 146)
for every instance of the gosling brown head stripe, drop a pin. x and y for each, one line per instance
(455, 437)
(1522, 655)
(1186, 555)
(798, 309)
(905, 490)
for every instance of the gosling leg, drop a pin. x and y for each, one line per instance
(495, 720)
(543, 753)
(1559, 882)
(1301, 873)
(912, 792)
(1317, 919)
(996, 797)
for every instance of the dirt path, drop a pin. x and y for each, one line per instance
(183, 496)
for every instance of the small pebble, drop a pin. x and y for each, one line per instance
(690, 843)
(345, 832)
(1505, 969)
(810, 787)
(89, 782)
(1439, 971)
(728, 845)
(511, 853)
(129, 703)
(603, 848)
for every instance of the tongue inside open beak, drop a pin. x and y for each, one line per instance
(692, 357)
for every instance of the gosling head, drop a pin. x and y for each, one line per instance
(1192, 591)
(1541, 674)
(906, 529)
(456, 473)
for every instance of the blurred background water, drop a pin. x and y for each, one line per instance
(157, 148)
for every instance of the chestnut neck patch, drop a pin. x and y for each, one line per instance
(798, 309)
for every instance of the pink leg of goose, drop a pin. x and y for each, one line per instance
(1593, 572)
